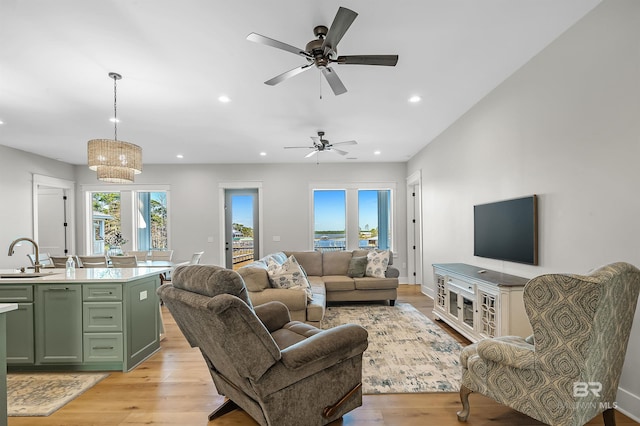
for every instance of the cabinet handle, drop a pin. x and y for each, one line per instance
(102, 317)
(102, 292)
(58, 289)
(103, 347)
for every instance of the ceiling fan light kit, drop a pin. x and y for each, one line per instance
(113, 160)
(323, 51)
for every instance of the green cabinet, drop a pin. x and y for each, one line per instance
(19, 331)
(82, 325)
(58, 316)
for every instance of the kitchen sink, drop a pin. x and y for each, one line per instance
(27, 274)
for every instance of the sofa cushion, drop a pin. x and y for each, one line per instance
(255, 276)
(377, 262)
(364, 252)
(370, 283)
(288, 275)
(311, 261)
(336, 262)
(338, 283)
(357, 266)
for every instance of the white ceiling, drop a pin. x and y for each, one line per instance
(177, 57)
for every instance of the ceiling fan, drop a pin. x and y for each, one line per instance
(320, 144)
(324, 51)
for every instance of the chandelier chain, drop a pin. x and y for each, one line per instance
(115, 108)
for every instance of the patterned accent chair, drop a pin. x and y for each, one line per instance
(280, 372)
(568, 371)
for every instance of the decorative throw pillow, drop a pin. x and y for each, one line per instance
(377, 262)
(288, 275)
(357, 266)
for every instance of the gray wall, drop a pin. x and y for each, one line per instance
(16, 199)
(566, 126)
(195, 206)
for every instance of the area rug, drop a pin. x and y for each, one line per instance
(40, 394)
(407, 352)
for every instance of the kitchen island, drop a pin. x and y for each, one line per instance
(102, 319)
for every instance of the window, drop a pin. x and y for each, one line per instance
(358, 216)
(125, 219)
(105, 220)
(152, 221)
(329, 218)
(374, 218)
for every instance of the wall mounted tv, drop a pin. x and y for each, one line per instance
(507, 230)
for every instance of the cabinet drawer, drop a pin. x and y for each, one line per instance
(102, 292)
(16, 293)
(103, 347)
(101, 316)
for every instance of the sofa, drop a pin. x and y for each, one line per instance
(329, 280)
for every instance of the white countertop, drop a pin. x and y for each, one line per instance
(83, 275)
(6, 307)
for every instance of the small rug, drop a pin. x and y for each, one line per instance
(40, 394)
(407, 352)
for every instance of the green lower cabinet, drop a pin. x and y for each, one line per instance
(103, 347)
(58, 316)
(20, 342)
(142, 325)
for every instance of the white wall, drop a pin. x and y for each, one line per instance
(566, 126)
(16, 198)
(195, 206)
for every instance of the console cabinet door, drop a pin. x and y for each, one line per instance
(58, 324)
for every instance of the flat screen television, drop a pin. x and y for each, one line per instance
(507, 230)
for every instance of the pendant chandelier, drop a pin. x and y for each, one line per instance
(113, 160)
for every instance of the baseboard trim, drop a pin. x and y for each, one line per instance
(427, 291)
(628, 404)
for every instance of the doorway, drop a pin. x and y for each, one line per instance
(53, 219)
(414, 229)
(242, 226)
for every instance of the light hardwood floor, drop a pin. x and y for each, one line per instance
(174, 388)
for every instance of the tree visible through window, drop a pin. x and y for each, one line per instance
(152, 221)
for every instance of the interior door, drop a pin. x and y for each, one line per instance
(241, 227)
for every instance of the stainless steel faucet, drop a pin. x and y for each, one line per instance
(36, 265)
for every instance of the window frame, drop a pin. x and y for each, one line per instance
(352, 214)
(128, 210)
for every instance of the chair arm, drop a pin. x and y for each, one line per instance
(392, 272)
(513, 351)
(274, 315)
(329, 347)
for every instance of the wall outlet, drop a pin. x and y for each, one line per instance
(143, 295)
(276, 238)
(209, 239)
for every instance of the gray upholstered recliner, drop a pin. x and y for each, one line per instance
(281, 372)
(568, 371)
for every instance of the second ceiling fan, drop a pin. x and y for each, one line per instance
(324, 51)
(322, 145)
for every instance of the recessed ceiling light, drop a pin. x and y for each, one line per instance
(224, 99)
(376, 152)
(1, 122)
(180, 156)
(114, 120)
(263, 154)
(414, 99)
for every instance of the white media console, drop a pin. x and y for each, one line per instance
(480, 303)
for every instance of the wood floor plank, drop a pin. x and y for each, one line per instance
(174, 388)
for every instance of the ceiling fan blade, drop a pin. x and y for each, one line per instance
(345, 143)
(334, 81)
(312, 153)
(341, 23)
(338, 151)
(285, 75)
(294, 147)
(385, 60)
(257, 38)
